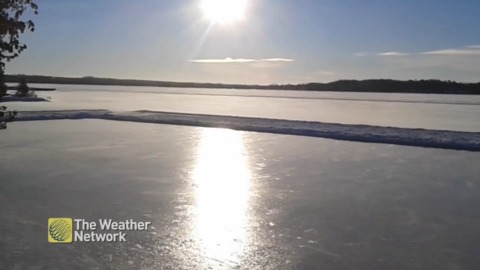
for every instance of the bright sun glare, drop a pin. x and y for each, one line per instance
(224, 11)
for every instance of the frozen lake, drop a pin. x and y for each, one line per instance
(222, 199)
(445, 112)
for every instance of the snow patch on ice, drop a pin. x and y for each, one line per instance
(455, 140)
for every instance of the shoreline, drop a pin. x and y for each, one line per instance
(10, 88)
(354, 86)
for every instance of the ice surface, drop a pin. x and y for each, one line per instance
(348, 96)
(361, 133)
(221, 199)
(442, 112)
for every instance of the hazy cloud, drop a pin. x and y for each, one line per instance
(240, 60)
(472, 50)
(393, 54)
(382, 54)
(225, 60)
(467, 51)
(276, 60)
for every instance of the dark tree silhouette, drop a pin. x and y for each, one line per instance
(23, 89)
(6, 116)
(11, 26)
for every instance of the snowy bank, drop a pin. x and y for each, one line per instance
(455, 140)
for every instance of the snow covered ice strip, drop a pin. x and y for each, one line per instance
(455, 140)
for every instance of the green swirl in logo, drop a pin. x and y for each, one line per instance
(60, 230)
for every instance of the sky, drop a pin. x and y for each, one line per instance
(273, 41)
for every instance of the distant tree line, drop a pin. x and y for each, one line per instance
(395, 86)
(376, 86)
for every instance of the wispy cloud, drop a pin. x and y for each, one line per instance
(361, 54)
(275, 60)
(382, 54)
(392, 54)
(225, 60)
(473, 50)
(239, 60)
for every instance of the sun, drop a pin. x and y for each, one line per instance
(224, 11)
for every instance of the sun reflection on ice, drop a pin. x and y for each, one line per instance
(222, 180)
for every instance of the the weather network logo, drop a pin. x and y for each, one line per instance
(60, 230)
(68, 230)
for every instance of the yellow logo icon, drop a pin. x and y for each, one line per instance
(60, 230)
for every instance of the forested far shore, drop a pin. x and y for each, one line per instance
(376, 86)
